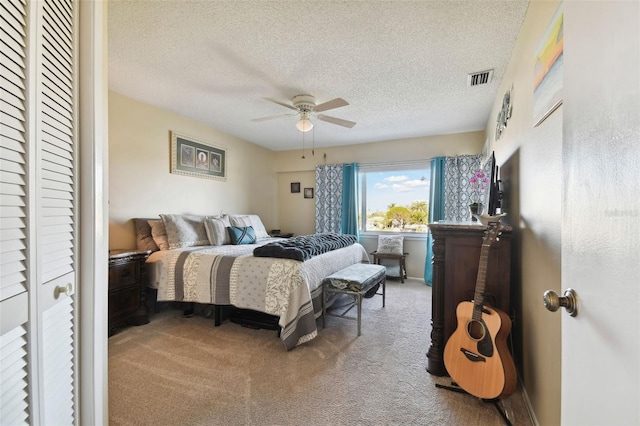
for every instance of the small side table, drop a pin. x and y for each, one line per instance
(399, 257)
(279, 235)
(128, 279)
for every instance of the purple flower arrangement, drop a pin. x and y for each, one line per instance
(479, 183)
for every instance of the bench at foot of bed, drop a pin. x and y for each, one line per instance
(356, 281)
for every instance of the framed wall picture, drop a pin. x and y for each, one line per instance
(547, 89)
(308, 193)
(192, 157)
(295, 187)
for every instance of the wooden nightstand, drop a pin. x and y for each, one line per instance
(279, 235)
(128, 280)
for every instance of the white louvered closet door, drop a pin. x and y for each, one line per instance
(38, 212)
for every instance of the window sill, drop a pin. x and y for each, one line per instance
(407, 235)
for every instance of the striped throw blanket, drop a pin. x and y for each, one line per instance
(304, 247)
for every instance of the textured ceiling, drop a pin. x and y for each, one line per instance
(401, 65)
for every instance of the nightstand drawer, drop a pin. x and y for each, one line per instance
(123, 275)
(123, 302)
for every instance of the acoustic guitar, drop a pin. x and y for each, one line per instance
(476, 355)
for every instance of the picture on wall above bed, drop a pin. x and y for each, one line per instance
(192, 157)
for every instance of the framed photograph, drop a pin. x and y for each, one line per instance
(547, 89)
(192, 157)
(295, 187)
(308, 193)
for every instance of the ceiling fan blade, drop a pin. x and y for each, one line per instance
(271, 117)
(338, 121)
(335, 103)
(275, 101)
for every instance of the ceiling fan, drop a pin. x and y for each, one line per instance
(305, 106)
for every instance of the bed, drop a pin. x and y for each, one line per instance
(230, 274)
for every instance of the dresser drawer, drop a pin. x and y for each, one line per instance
(124, 274)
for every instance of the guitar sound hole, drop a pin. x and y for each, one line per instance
(476, 330)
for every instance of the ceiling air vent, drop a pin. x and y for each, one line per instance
(478, 78)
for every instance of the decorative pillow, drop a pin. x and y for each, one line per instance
(217, 230)
(252, 220)
(159, 233)
(242, 235)
(144, 239)
(185, 230)
(390, 244)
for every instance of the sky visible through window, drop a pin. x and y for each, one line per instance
(399, 187)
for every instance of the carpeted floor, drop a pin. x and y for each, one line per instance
(184, 371)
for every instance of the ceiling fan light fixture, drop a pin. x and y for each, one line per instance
(305, 106)
(304, 124)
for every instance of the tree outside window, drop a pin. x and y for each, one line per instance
(394, 199)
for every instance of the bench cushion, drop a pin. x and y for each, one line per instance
(358, 278)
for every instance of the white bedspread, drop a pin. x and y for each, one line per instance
(231, 275)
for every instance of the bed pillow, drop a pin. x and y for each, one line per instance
(159, 233)
(252, 220)
(390, 244)
(241, 235)
(240, 220)
(144, 239)
(216, 229)
(185, 230)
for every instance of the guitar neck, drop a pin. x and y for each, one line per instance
(478, 298)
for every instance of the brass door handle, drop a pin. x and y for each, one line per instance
(569, 301)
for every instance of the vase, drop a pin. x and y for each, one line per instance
(475, 209)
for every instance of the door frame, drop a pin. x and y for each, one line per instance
(92, 401)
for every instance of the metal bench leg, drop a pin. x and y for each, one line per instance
(359, 296)
(384, 290)
(324, 307)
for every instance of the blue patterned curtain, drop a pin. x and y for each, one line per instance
(451, 194)
(329, 178)
(350, 199)
(458, 193)
(436, 210)
(337, 198)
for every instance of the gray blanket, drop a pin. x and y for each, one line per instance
(304, 247)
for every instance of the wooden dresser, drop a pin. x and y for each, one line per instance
(128, 280)
(456, 255)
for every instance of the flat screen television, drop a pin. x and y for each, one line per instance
(495, 190)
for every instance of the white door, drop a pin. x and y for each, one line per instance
(38, 212)
(601, 213)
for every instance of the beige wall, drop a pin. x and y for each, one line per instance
(425, 147)
(297, 214)
(538, 151)
(258, 179)
(140, 184)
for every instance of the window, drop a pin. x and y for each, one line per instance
(394, 198)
